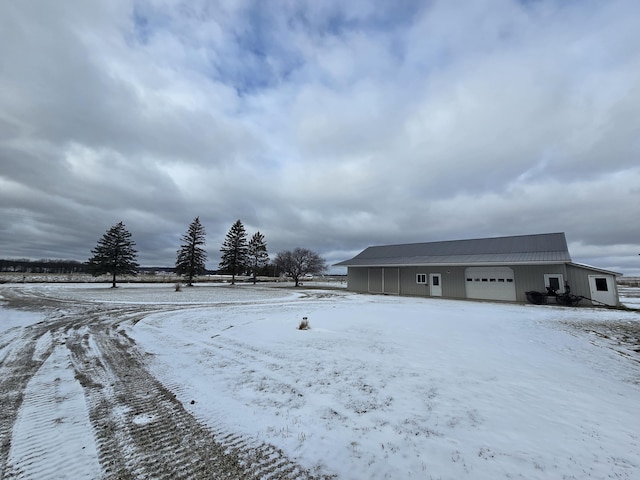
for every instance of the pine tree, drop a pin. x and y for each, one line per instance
(115, 254)
(191, 256)
(257, 254)
(234, 251)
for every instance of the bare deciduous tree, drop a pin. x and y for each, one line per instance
(299, 262)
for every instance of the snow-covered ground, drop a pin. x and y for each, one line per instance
(52, 433)
(381, 386)
(630, 296)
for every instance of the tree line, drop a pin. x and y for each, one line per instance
(25, 265)
(115, 254)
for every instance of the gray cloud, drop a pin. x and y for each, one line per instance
(328, 125)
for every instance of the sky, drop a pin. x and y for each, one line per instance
(327, 125)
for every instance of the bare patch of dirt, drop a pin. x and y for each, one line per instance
(622, 336)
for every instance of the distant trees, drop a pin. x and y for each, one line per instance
(257, 255)
(235, 251)
(25, 265)
(191, 256)
(300, 262)
(114, 254)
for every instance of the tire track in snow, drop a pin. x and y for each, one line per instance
(20, 362)
(141, 430)
(144, 431)
(23, 353)
(52, 436)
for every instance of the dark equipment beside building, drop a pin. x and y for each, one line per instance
(567, 298)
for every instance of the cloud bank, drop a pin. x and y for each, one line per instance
(327, 125)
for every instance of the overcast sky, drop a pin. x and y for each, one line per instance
(329, 125)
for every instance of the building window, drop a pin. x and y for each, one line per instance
(601, 285)
(554, 282)
(421, 278)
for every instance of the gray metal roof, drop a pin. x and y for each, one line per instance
(540, 248)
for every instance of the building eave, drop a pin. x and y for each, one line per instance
(455, 264)
(595, 269)
(479, 264)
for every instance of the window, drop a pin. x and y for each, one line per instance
(601, 285)
(421, 278)
(554, 282)
(436, 280)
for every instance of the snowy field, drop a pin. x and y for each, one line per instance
(382, 386)
(630, 297)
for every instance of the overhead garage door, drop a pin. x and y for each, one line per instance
(490, 283)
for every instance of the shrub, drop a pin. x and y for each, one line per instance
(178, 286)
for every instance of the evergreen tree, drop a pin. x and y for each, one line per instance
(115, 254)
(257, 254)
(234, 251)
(191, 256)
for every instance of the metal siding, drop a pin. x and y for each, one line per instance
(579, 282)
(408, 285)
(370, 280)
(452, 282)
(375, 280)
(531, 277)
(615, 285)
(391, 277)
(357, 279)
(527, 277)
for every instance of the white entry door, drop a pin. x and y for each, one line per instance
(603, 289)
(435, 284)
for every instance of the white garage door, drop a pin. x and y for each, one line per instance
(490, 283)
